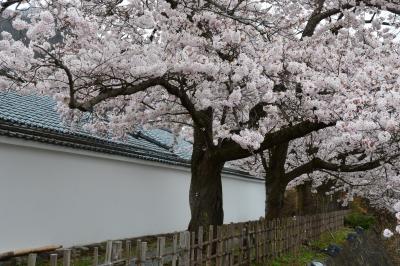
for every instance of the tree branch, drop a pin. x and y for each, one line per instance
(317, 16)
(230, 150)
(319, 164)
(112, 93)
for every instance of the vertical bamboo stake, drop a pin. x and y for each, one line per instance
(270, 236)
(257, 239)
(280, 237)
(67, 257)
(109, 246)
(53, 259)
(160, 250)
(268, 249)
(120, 250)
(231, 244)
(284, 234)
(192, 249)
(224, 245)
(210, 245)
(95, 256)
(274, 239)
(32, 259)
(296, 232)
(291, 234)
(200, 246)
(128, 247)
(174, 249)
(248, 244)
(142, 254)
(262, 239)
(227, 250)
(219, 246)
(138, 248)
(241, 244)
(116, 250)
(265, 241)
(187, 248)
(182, 245)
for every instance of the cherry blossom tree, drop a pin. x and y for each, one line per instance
(365, 166)
(237, 77)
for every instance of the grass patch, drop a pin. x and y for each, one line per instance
(305, 256)
(355, 219)
(338, 238)
(313, 251)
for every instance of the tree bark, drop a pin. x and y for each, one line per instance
(205, 195)
(275, 181)
(275, 196)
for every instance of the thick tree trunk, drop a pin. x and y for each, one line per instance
(275, 181)
(275, 196)
(205, 194)
(305, 199)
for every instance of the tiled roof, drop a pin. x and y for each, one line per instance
(39, 112)
(35, 117)
(179, 146)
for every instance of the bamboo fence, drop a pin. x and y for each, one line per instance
(254, 242)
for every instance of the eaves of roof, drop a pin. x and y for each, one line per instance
(33, 117)
(24, 131)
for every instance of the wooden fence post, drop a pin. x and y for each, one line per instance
(231, 244)
(174, 249)
(227, 245)
(107, 259)
(142, 254)
(138, 248)
(210, 245)
(116, 252)
(95, 256)
(32, 259)
(248, 244)
(242, 232)
(273, 239)
(269, 237)
(192, 257)
(160, 250)
(184, 244)
(289, 234)
(187, 248)
(53, 259)
(200, 246)
(263, 240)
(67, 257)
(257, 237)
(219, 247)
(128, 247)
(279, 236)
(181, 260)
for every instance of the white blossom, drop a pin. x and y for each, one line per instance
(387, 233)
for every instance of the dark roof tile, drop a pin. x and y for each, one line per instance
(35, 117)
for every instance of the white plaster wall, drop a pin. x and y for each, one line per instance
(54, 195)
(243, 199)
